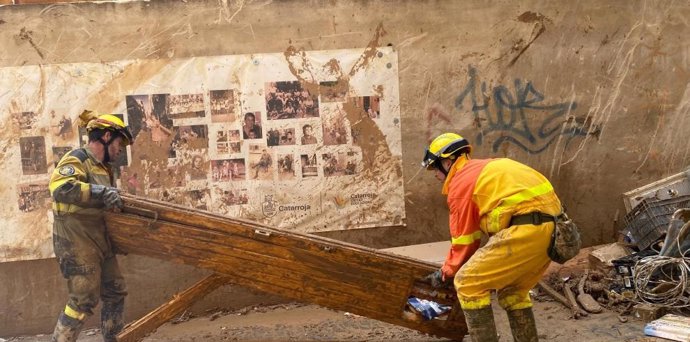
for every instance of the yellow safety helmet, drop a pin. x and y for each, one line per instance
(446, 145)
(108, 122)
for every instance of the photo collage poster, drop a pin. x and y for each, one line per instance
(287, 141)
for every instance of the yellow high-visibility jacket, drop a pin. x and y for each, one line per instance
(70, 183)
(483, 195)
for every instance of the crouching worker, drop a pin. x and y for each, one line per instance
(516, 207)
(82, 188)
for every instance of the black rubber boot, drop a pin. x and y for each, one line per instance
(112, 320)
(481, 325)
(67, 329)
(522, 325)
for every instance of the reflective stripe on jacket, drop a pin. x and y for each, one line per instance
(69, 182)
(483, 195)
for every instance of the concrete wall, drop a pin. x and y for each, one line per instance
(592, 93)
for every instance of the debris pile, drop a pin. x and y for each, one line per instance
(645, 274)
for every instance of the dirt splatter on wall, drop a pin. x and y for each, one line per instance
(290, 140)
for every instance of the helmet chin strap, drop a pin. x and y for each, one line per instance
(440, 167)
(106, 154)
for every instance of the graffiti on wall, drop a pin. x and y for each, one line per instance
(520, 115)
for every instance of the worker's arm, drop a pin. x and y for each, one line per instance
(69, 184)
(465, 235)
(69, 181)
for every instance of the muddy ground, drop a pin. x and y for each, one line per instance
(298, 322)
(302, 322)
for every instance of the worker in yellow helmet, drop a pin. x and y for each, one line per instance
(516, 207)
(82, 187)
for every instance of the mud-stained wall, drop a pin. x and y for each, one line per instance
(593, 94)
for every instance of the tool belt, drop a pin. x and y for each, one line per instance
(536, 218)
(565, 239)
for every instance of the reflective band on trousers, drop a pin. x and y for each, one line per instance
(74, 313)
(466, 239)
(513, 200)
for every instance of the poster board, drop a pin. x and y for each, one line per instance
(305, 141)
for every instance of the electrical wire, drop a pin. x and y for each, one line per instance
(663, 280)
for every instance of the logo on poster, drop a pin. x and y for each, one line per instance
(297, 207)
(269, 206)
(362, 198)
(340, 202)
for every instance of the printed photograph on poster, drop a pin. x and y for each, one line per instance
(335, 129)
(176, 178)
(286, 167)
(158, 121)
(198, 199)
(226, 170)
(222, 148)
(33, 196)
(251, 126)
(24, 120)
(156, 179)
(228, 141)
(333, 91)
(234, 135)
(222, 105)
(261, 165)
(189, 138)
(341, 163)
(280, 137)
(370, 105)
(199, 168)
(229, 197)
(130, 181)
(290, 100)
(138, 109)
(116, 164)
(222, 142)
(175, 196)
(235, 145)
(61, 126)
(33, 155)
(186, 106)
(356, 136)
(309, 165)
(308, 137)
(59, 152)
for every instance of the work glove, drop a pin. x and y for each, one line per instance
(436, 280)
(107, 195)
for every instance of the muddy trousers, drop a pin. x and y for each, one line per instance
(92, 274)
(511, 263)
(482, 327)
(85, 291)
(523, 325)
(67, 328)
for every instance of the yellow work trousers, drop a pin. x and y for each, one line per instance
(511, 263)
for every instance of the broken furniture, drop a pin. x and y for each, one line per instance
(302, 267)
